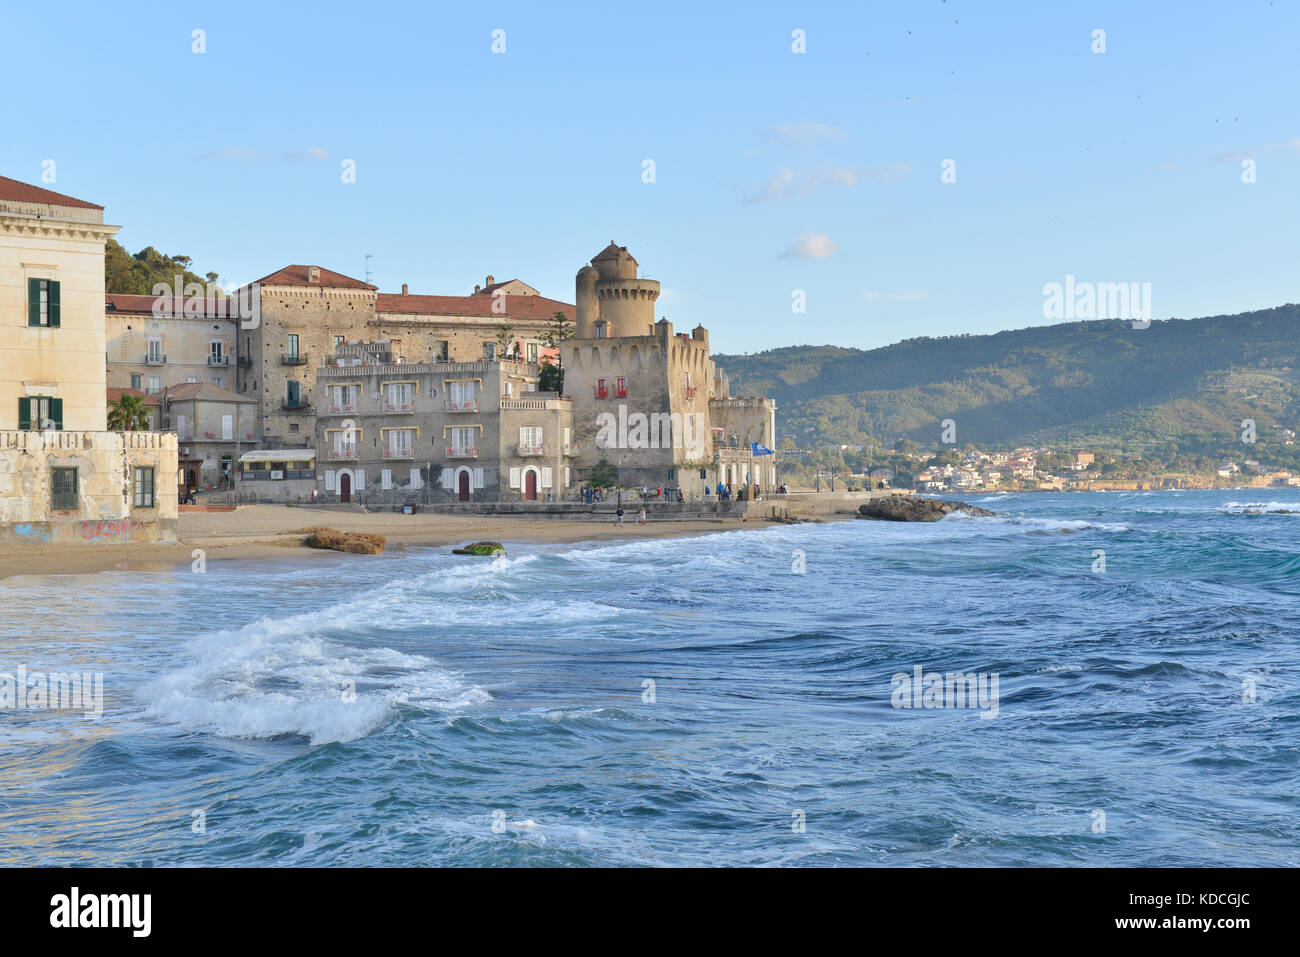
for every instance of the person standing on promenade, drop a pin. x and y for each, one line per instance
(618, 516)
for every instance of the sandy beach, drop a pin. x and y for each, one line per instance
(268, 532)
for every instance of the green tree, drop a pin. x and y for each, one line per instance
(556, 333)
(128, 414)
(550, 378)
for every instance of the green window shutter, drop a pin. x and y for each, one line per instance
(56, 412)
(24, 414)
(54, 305)
(33, 302)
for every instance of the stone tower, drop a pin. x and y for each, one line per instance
(612, 302)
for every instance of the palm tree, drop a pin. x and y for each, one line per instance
(128, 414)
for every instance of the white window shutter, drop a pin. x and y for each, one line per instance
(567, 482)
(329, 480)
(446, 478)
(524, 435)
(514, 478)
(361, 479)
(546, 477)
(478, 479)
(417, 480)
(386, 479)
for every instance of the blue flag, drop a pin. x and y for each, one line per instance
(756, 449)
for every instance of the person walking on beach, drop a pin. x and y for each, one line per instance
(618, 516)
(640, 517)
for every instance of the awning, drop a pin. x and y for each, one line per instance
(279, 455)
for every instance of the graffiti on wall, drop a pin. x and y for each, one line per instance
(117, 529)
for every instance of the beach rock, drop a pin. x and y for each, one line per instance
(481, 548)
(909, 508)
(357, 543)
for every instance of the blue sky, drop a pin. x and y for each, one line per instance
(774, 171)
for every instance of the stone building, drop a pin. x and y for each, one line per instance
(649, 401)
(63, 476)
(307, 311)
(154, 342)
(398, 433)
(213, 427)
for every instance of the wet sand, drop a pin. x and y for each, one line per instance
(269, 532)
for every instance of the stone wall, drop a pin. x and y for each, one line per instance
(105, 463)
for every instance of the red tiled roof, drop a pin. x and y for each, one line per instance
(16, 192)
(517, 307)
(297, 276)
(172, 307)
(115, 393)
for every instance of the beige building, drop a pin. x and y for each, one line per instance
(649, 401)
(213, 428)
(306, 312)
(63, 477)
(154, 342)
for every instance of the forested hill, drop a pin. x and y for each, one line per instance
(1099, 383)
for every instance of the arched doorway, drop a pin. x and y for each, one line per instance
(530, 485)
(462, 486)
(345, 487)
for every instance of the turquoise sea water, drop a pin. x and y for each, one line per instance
(503, 712)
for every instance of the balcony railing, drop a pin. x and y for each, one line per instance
(155, 358)
(218, 360)
(347, 452)
(470, 406)
(621, 392)
(464, 452)
(296, 406)
(602, 391)
(568, 449)
(397, 408)
(690, 391)
(346, 408)
(527, 451)
(293, 358)
(392, 453)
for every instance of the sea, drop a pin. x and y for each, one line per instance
(1084, 679)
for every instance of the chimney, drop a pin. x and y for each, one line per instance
(405, 289)
(491, 280)
(313, 273)
(477, 287)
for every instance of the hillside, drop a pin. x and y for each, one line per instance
(1180, 383)
(136, 275)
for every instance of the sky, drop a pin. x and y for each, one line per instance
(780, 178)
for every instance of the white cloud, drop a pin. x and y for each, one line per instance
(788, 183)
(311, 152)
(811, 246)
(1237, 155)
(804, 134)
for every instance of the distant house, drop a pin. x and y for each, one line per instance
(1081, 460)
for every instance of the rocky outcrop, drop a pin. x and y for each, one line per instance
(481, 548)
(358, 543)
(910, 508)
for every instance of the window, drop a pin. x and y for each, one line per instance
(293, 345)
(40, 413)
(155, 384)
(155, 354)
(530, 439)
(43, 303)
(338, 341)
(489, 350)
(135, 381)
(461, 394)
(216, 351)
(401, 443)
(509, 389)
(463, 441)
(293, 394)
(533, 351)
(227, 428)
(344, 398)
(218, 380)
(345, 443)
(621, 388)
(400, 396)
(441, 349)
(63, 490)
(143, 487)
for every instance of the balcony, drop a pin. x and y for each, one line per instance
(218, 360)
(293, 358)
(470, 406)
(621, 392)
(346, 408)
(529, 451)
(569, 449)
(399, 453)
(399, 408)
(155, 359)
(602, 391)
(690, 391)
(346, 452)
(454, 452)
(298, 405)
